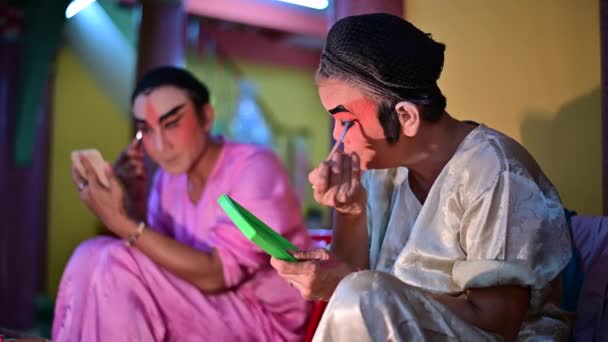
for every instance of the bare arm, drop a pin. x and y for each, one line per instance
(337, 184)
(350, 241)
(500, 310)
(203, 270)
(130, 167)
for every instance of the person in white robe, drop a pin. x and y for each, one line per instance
(444, 230)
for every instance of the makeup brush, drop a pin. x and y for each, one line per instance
(347, 125)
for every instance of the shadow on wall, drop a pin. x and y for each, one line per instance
(568, 148)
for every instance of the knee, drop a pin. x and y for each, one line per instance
(364, 282)
(363, 285)
(88, 253)
(98, 255)
(91, 247)
(112, 255)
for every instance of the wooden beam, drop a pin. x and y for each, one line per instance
(344, 8)
(258, 47)
(264, 14)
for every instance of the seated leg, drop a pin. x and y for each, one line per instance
(377, 306)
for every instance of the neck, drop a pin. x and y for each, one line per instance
(434, 146)
(202, 167)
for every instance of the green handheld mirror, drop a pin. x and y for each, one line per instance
(257, 231)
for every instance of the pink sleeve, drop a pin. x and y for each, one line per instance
(262, 187)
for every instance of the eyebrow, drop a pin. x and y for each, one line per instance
(338, 109)
(172, 112)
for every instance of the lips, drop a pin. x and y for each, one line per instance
(350, 148)
(169, 161)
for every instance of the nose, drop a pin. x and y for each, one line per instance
(341, 129)
(337, 130)
(159, 141)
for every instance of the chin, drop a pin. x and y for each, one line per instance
(365, 165)
(369, 160)
(174, 168)
(374, 163)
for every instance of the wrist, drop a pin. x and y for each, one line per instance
(123, 226)
(354, 209)
(134, 236)
(350, 217)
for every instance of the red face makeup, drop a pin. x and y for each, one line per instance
(150, 114)
(366, 137)
(172, 134)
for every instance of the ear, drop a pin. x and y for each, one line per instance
(409, 118)
(208, 116)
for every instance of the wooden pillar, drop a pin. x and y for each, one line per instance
(162, 35)
(604, 67)
(162, 41)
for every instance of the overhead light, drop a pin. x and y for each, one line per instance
(76, 6)
(316, 4)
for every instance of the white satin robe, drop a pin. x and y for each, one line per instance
(491, 218)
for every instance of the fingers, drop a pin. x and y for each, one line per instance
(336, 169)
(343, 194)
(130, 170)
(294, 269)
(85, 173)
(114, 183)
(130, 163)
(305, 290)
(337, 182)
(84, 186)
(285, 267)
(327, 174)
(312, 176)
(319, 178)
(315, 254)
(355, 174)
(78, 180)
(136, 167)
(91, 176)
(300, 275)
(313, 278)
(135, 149)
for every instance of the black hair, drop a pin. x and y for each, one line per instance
(431, 106)
(177, 77)
(430, 102)
(388, 59)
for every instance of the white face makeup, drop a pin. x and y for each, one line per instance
(170, 129)
(366, 137)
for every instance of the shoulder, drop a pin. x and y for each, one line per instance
(500, 151)
(489, 154)
(249, 154)
(251, 163)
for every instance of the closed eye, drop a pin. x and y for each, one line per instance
(344, 117)
(173, 123)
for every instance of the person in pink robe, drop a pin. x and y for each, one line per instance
(185, 273)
